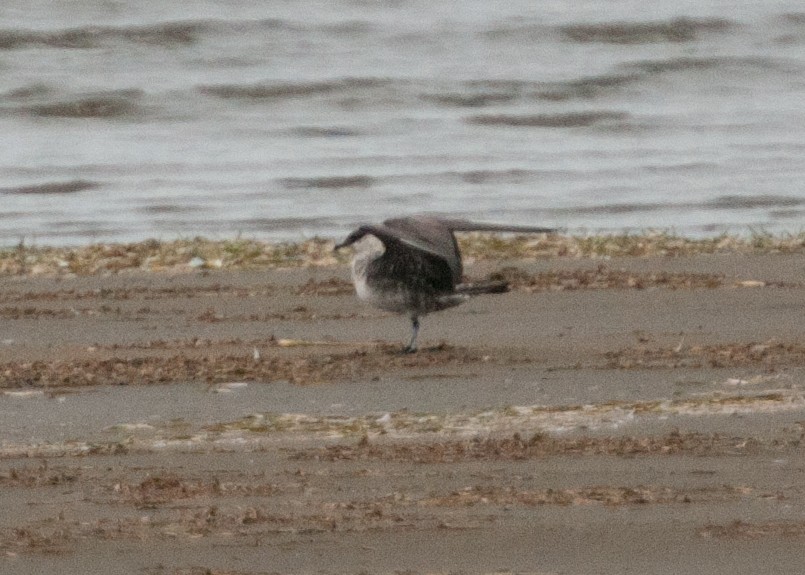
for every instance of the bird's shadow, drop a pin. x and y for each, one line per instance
(401, 351)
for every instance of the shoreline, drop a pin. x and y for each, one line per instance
(235, 254)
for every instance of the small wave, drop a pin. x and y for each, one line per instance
(458, 100)
(483, 93)
(168, 34)
(796, 18)
(687, 168)
(517, 31)
(29, 92)
(480, 93)
(505, 86)
(676, 30)
(112, 104)
(675, 65)
(60, 232)
(496, 176)
(283, 224)
(736, 66)
(323, 132)
(791, 214)
(721, 203)
(283, 90)
(589, 87)
(158, 209)
(165, 34)
(754, 202)
(570, 120)
(685, 64)
(349, 28)
(70, 187)
(635, 72)
(794, 29)
(327, 182)
(612, 209)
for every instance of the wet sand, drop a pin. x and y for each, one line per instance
(633, 415)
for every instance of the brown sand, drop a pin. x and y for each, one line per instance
(641, 415)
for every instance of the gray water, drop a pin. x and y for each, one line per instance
(286, 119)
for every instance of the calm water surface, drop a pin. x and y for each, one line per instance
(287, 119)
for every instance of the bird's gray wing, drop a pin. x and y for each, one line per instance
(435, 235)
(429, 235)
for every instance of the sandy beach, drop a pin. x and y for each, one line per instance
(606, 416)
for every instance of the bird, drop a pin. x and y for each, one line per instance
(412, 265)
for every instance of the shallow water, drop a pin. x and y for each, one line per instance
(282, 121)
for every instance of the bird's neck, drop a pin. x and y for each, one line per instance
(367, 249)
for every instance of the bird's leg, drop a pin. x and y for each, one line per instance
(411, 347)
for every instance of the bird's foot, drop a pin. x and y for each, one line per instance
(408, 349)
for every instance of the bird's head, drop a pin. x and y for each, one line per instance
(354, 237)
